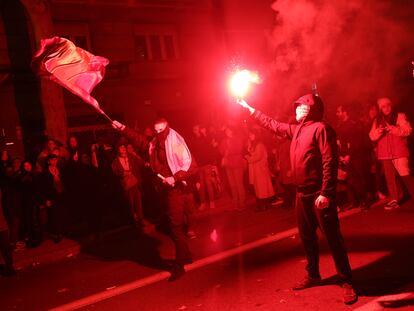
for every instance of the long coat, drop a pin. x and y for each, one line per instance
(259, 173)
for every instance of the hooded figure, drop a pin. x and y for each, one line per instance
(315, 104)
(313, 151)
(314, 161)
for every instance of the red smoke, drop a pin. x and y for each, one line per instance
(355, 51)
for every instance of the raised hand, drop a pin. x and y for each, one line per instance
(243, 103)
(118, 125)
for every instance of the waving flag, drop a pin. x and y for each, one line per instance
(72, 67)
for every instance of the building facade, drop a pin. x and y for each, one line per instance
(167, 58)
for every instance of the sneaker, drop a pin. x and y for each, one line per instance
(191, 234)
(20, 245)
(380, 195)
(177, 272)
(307, 282)
(349, 294)
(277, 201)
(393, 204)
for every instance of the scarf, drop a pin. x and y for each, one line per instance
(176, 150)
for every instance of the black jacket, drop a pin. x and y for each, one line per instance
(313, 151)
(46, 189)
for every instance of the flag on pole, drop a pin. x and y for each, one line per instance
(72, 67)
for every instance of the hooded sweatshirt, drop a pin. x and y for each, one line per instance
(313, 149)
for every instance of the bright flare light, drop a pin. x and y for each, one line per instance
(240, 82)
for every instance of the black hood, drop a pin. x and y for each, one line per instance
(316, 106)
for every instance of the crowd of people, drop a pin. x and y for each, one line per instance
(70, 189)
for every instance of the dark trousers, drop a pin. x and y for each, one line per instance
(52, 218)
(288, 195)
(391, 178)
(391, 175)
(357, 181)
(5, 249)
(134, 201)
(310, 218)
(206, 184)
(179, 206)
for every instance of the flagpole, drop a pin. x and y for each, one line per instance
(92, 101)
(105, 115)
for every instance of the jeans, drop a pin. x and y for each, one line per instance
(391, 169)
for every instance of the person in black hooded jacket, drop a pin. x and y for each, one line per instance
(314, 161)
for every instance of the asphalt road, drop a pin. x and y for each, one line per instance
(380, 245)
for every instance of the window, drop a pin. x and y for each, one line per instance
(81, 41)
(169, 47)
(78, 33)
(141, 49)
(155, 43)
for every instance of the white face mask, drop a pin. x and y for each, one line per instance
(302, 112)
(159, 127)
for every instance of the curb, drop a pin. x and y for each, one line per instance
(49, 252)
(157, 277)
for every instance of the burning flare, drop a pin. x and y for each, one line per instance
(240, 82)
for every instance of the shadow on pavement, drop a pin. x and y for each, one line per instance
(131, 245)
(399, 303)
(388, 274)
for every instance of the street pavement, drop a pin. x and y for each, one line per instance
(112, 275)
